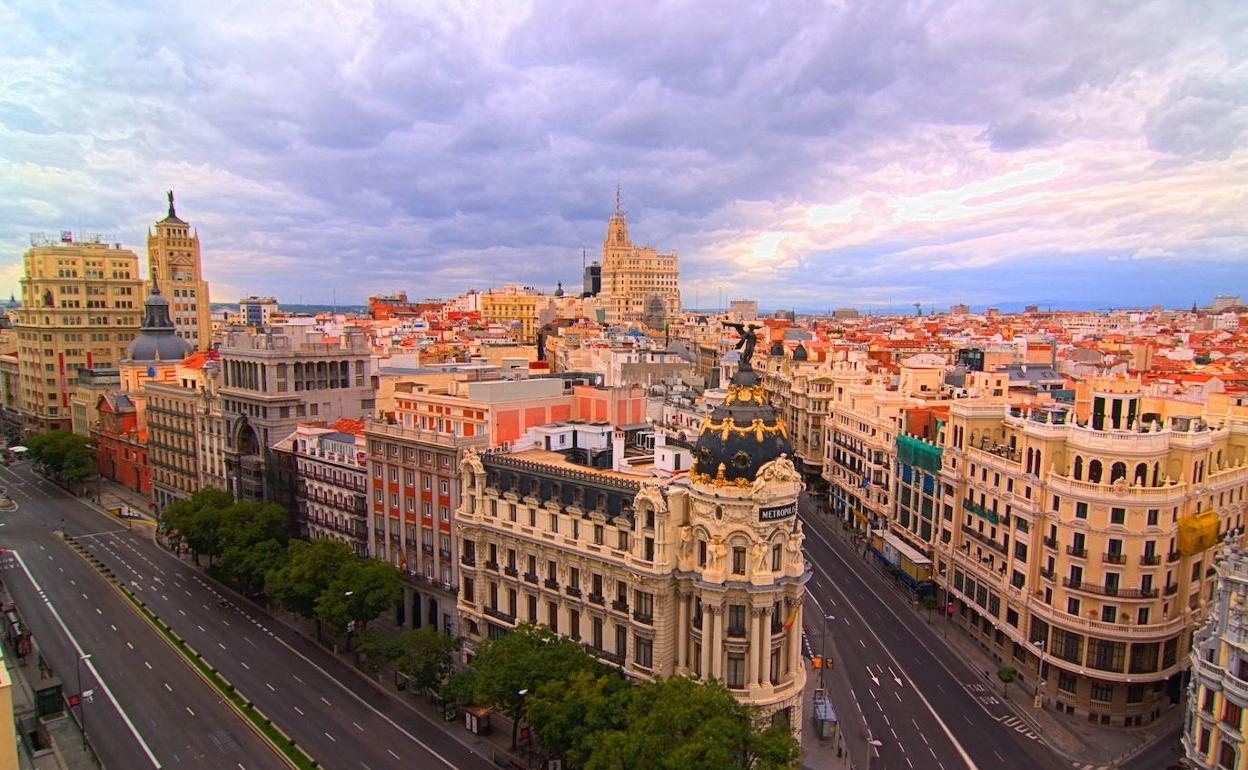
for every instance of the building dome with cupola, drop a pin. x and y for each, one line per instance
(741, 434)
(158, 339)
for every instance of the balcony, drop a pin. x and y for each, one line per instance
(1172, 557)
(1078, 553)
(646, 618)
(491, 565)
(511, 572)
(530, 578)
(468, 560)
(573, 591)
(1150, 560)
(1110, 557)
(981, 511)
(552, 584)
(500, 615)
(984, 539)
(597, 599)
(1116, 591)
(620, 606)
(1047, 574)
(1050, 542)
(1172, 589)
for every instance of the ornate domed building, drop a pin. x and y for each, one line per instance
(743, 543)
(154, 354)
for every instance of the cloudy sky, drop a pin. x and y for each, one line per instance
(808, 154)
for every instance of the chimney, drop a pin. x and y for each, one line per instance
(617, 449)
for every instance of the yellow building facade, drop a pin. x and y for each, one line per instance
(514, 305)
(173, 261)
(1076, 544)
(82, 303)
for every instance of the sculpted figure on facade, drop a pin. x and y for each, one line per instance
(651, 494)
(794, 543)
(717, 554)
(759, 551)
(778, 471)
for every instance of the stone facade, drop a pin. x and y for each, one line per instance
(1217, 694)
(82, 303)
(633, 275)
(173, 261)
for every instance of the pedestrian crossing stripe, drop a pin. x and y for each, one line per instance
(1019, 726)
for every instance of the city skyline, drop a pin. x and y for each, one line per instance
(1068, 156)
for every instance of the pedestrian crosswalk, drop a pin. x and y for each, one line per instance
(1018, 726)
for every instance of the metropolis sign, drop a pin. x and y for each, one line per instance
(778, 512)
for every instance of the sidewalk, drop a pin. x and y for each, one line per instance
(113, 495)
(66, 749)
(820, 753)
(1077, 740)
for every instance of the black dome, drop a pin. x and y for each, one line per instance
(158, 340)
(799, 352)
(741, 435)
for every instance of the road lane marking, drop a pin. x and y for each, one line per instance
(245, 666)
(201, 628)
(357, 726)
(131, 646)
(149, 665)
(271, 687)
(962, 753)
(332, 738)
(167, 687)
(297, 679)
(110, 625)
(326, 702)
(188, 710)
(108, 693)
(299, 710)
(222, 646)
(396, 756)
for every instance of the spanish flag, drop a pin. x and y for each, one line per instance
(788, 624)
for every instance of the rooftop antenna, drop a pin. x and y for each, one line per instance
(618, 208)
(582, 259)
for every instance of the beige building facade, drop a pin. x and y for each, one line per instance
(701, 576)
(173, 261)
(1217, 694)
(637, 281)
(82, 304)
(1078, 543)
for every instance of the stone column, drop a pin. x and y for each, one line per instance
(717, 642)
(765, 647)
(708, 625)
(751, 649)
(682, 633)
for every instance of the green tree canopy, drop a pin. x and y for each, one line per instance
(298, 582)
(564, 714)
(424, 655)
(361, 591)
(66, 455)
(522, 660)
(682, 724)
(197, 521)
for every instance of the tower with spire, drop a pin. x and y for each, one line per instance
(634, 278)
(173, 261)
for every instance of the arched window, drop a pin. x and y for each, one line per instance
(1117, 471)
(1094, 471)
(1078, 468)
(1141, 475)
(1156, 474)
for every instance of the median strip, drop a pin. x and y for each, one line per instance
(283, 744)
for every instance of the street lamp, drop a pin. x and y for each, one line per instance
(82, 701)
(1040, 689)
(823, 666)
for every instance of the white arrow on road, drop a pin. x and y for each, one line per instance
(896, 678)
(874, 678)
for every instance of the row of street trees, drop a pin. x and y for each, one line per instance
(65, 455)
(596, 719)
(248, 545)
